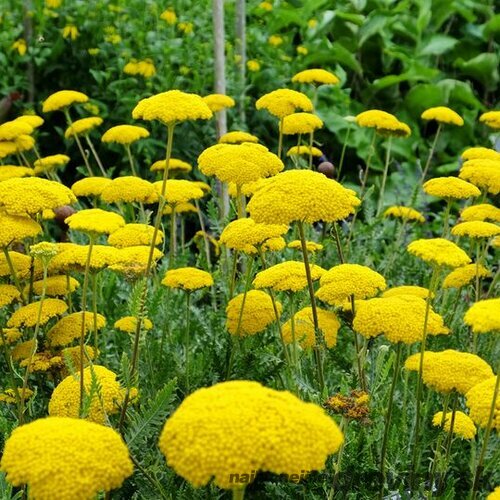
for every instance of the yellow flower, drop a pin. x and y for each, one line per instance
(23, 143)
(344, 280)
(417, 291)
(300, 123)
(483, 316)
(304, 150)
(71, 357)
(20, 46)
(315, 76)
(217, 102)
(132, 261)
(253, 65)
(70, 31)
(303, 51)
(312, 23)
(113, 38)
(439, 251)
(187, 278)
(304, 328)
(463, 425)
(405, 213)
(11, 130)
(124, 134)
(130, 189)
(179, 191)
(171, 107)
(169, 16)
(53, 4)
(462, 276)
(476, 229)
(180, 208)
(128, 324)
(311, 246)
(450, 187)
(237, 137)
(82, 126)
(26, 316)
(14, 172)
(22, 351)
(50, 163)
(20, 262)
(258, 313)
(384, 123)
(69, 327)
(481, 212)
(287, 276)
(41, 362)
(301, 195)
(74, 257)
(284, 102)
(495, 495)
(55, 286)
(11, 335)
(8, 294)
(134, 234)
(9, 396)
(266, 6)
(62, 99)
(479, 399)
(145, 68)
(17, 228)
(34, 121)
(491, 119)
(95, 220)
(246, 235)
(75, 458)
(90, 186)
(174, 165)
(442, 114)
(275, 40)
(450, 370)
(485, 174)
(240, 427)
(185, 27)
(480, 153)
(239, 163)
(93, 51)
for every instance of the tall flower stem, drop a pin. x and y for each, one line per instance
(311, 139)
(238, 493)
(384, 176)
(11, 372)
(446, 218)
(79, 144)
(431, 154)
(280, 139)
(204, 231)
(13, 274)
(96, 156)
(234, 268)
(187, 338)
(173, 237)
(295, 360)
(130, 159)
(318, 344)
(371, 152)
(94, 311)
(342, 154)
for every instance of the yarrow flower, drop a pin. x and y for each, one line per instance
(195, 439)
(463, 425)
(479, 399)
(124, 134)
(34, 121)
(253, 65)
(439, 252)
(405, 213)
(462, 276)
(304, 151)
(8, 294)
(90, 186)
(450, 187)
(128, 324)
(50, 163)
(17, 228)
(483, 316)
(187, 278)
(476, 229)
(480, 153)
(283, 102)
(82, 126)
(69, 327)
(134, 234)
(132, 261)
(95, 220)
(300, 123)
(145, 68)
(174, 165)
(169, 16)
(70, 31)
(26, 316)
(11, 130)
(481, 212)
(130, 189)
(275, 40)
(315, 76)
(491, 119)
(442, 114)
(49, 453)
(179, 191)
(20, 262)
(485, 174)
(218, 102)
(55, 286)
(417, 291)
(13, 171)
(289, 276)
(62, 99)
(237, 137)
(74, 257)
(384, 123)
(311, 246)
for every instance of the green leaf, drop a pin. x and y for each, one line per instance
(483, 68)
(345, 57)
(437, 45)
(492, 27)
(373, 26)
(423, 96)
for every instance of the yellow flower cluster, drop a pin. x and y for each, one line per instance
(462, 276)
(237, 137)
(169, 16)
(311, 246)
(13, 129)
(66, 457)
(344, 280)
(132, 261)
(9, 396)
(283, 102)
(479, 399)
(90, 186)
(483, 316)
(128, 324)
(250, 313)
(124, 134)
(300, 123)
(400, 318)
(41, 362)
(11, 335)
(485, 174)
(8, 294)
(145, 68)
(439, 251)
(50, 163)
(72, 358)
(55, 286)
(417, 291)
(179, 191)
(450, 370)
(450, 187)
(13, 171)
(481, 212)
(491, 119)
(173, 165)
(218, 102)
(267, 433)
(316, 76)
(304, 150)
(384, 123)
(495, 495)
(74, 257)
(129, 189)
(187, 278)
(478, 153)
(26, 316)
(20, 262)
(405, 213)
(82, 126)
(17, 228)
(62, 99)
(95, 220)
(443, 114)
(476, 229)
(69, 328)
(463, 425)
(134, 234)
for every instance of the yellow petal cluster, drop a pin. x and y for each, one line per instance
(95, 220)
(11, 130)
(132, 261)
(417, 291)
(174, 165)
(20, 262)
(483, 316)
(74, 257)
(134, 234)
(124, 134)
(304, 150)
(129, 189)
(484, 174)
(128, 324)
(13, 171)
(491, 119)
(50, 163)
(179, 191)
(82, 126)
(8, 294)
(237, 137)
(90, 186)
(300, 123)
(55, 286)
(462, 276)
(478, 153)
(463, 425)
(405, 213)
(443, 114)
(283, 102)
(384, 123)
(62, 99)
(17, 228)
(316, 76)
(144, 67)
(187, 278)
(26, 316)
(311, 246)
(439, 251)
(69, 328)
(479, 399)
(476, 229)
(481, 212)
(450, 187)
(218, 102)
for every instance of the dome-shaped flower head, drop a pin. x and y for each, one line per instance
(171, 107)
(20, 262)
(237, 137)
(124, 134)
(450, 187)
(491, 119)
(134, 234)
(300, 123)
(66, 457)
(384, 123)
(311, 246)
(34, 121)
(476, 229)
(128, 324)
(289, 276)
(130, 189)
(72, 257)
(405, 213)
(187, 278)
(8, 294)
(479, 399)
(218, 102)
(12, 130)
(283, 102)
(462, 276)
(400, 318)
(90, 186)
(50, 163)
(237, 428)
(257, 313)
(495, 495)
(304, 151)
(239, 163)
(13, 171)
(481, 212)
(17, 228)
(480, 153)
(174, 165)
(301, 195)
(179, 191)
(344, 280)
(483, 316)
(132, 261)
(450, 370)
(69, 327)
(305, 333)
(82, 126)
(439, 252)
(33, 195)
(442, 114)
(62, 99)
(105, 401)
(55, 286)
(417, 291)
(26, 316)
(316, 76)
(463, 425)
(484, 174)
(95, 220)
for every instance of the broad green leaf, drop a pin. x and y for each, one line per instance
(423, 96)
(483, 68)
(373, 26)
(345, 57)
(437, 45)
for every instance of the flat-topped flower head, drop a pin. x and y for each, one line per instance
(13, 129)
(26, 316)
(174, 165)
(20, 262)
(72, 257)
(479, 398)
(132, 261)
(218, 102)
(311, 246)
(439, 252)
(417, 291)
(62, 99)
(480, 153)
(316, 76)
(171, 107)
(14, 171)
(134, 234)
(124, 134)
(180, 191)
(130, 189)
(344, 280)
(301, 195)
(304, 151)
(491, 119)
(304, 331)
(384, 123)
(95, 220)
(476, 229)
(31, 195)
(240, 427)
(55, 286)
(450, 370)
(34, 121)
(258, 313)
(69, 327)
(289, 276)
(442, 114)
(128, 324)
(405, 213)
(73, 457)
(82, 126)
(283, 102)
(481, 212)
(239, 163)
(300, 123)
(483, 316)
(484, 174)
(462, 276)
(8, 294)
(237, 137)
(17, 228)
(400, 318)
(90, 186)
(450, 187)
(50, 163)
(187, 278)
(463, 425)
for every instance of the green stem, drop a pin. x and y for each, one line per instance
(233, 274)
(79, 144)
(238, 493)
(187, 338)
(96, 156)
(311, 138)
(205, 237)
(384, 176)
(431, 154)
(130, 160)
(280, 138)
(371, 152)
(342, 154)
(94, 311)
(13, 274)
(12, 373)
(446, 218)
(173, 237)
